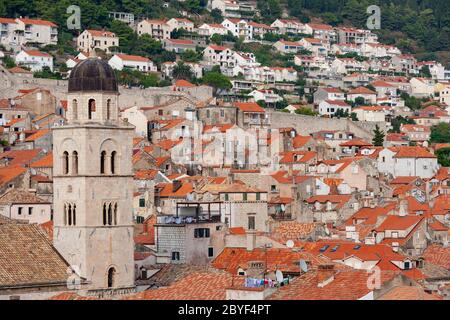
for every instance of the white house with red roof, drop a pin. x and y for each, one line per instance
(218, 55)
(348, 65)
(330, 107)
(369, 96)
(317, 46)
(238, 27)
(179, 45)
(384, 89)
(348, 35)
(156, 28)
(8, 32)
(259, 29)
(89, 40)
(321, 31)
(233, 9)
(37, 30)
(180, 23)
(407, 161)
(210, 29)
(328, 93)
(416, 132)
(266, 95)
(285, 46)
(34, 59)
(284, 26)
(378, 50)
(143, 64)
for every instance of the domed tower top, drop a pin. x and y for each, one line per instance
(92, 75)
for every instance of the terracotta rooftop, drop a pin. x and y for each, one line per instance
(19, 196)
(27, 257)
(408, 293)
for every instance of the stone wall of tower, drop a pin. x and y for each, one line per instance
(88, 243)
(80, 103)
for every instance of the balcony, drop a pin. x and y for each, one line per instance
(193, 212)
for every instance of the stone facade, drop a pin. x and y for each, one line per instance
(93, 183)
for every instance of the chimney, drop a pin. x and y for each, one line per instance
(251, 240)
(176, 184)
(325, 274)
(403, 209)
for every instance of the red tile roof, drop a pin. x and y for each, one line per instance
(184, 83)
(195, 286)
(101, 33)
(9, 173)
(129, 57)
(394, 222)
(38, 22)
(44, 162)
(37, 53)
(347, 284)
(412, 152)
(437, 255)
(231, 259)
(361, 90)
(249, 107)
(20, 157)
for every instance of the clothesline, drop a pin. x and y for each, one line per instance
(257, 283)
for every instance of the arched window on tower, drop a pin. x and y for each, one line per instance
(91, 108)
(75, 109)
(69, 214)
(65, 162)
(104, 214)
(65, 214)
(110, 214)
(74, 162)
(115, 214)
(111, 277)
(113, 162)
(74, 215)
(102, 162)
(108, 109)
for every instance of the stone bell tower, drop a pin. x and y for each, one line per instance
(92, 179)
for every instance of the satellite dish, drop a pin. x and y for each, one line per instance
(283, 207)
(199, 167)
(290, 244)
(327, 232)
(303, 265)
(279, 276)
(158, 209)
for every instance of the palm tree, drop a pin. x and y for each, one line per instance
(182, 71)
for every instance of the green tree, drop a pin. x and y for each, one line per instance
(9, 62)
(360, 101)
(378, 138)
(191, 56)
(217, 80)
(182, 71)
(216, 14)
(443, 156)
(305, 111)
(216, 38)
(440, 133)
(398, 121)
